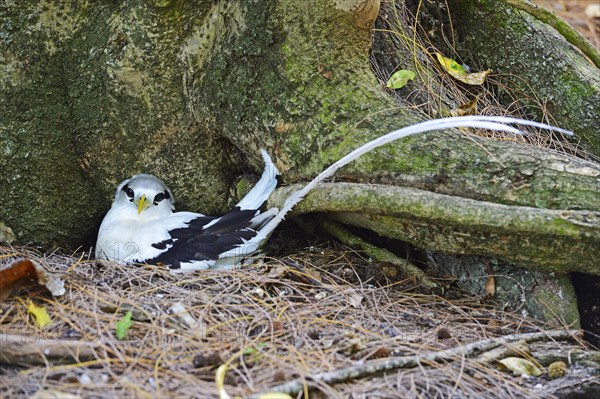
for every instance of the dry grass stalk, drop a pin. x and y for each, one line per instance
(270, 321)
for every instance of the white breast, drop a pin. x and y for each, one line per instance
(130, 240)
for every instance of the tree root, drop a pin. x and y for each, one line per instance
(379, 254)
(549, 240)
(375, 367)
(565, 29)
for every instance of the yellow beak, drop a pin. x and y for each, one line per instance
(141, 203)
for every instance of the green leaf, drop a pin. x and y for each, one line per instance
(400, 78)
(123, 325)
(252, 350)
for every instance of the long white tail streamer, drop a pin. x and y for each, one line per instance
(499, 123)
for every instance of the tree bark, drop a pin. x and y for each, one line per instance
(552, 240)
(93, 92)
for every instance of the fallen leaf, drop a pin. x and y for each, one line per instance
(277, 272)
(123, 325)
(39, 314)
(22, 271)
(469, 108)
(399, 79)
(220, 381)
(253, 350)
(476, 78)
(184, 317)
(314, 274)
(46, 393)
(520, 366)
(274, 395)
(355, 300)
(458, 72)
(6, 234)
(220, 384)
(490, 286)
(451, 66)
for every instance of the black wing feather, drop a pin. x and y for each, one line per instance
(197, 242)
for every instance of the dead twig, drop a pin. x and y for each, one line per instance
(27, 350)
(374, 367)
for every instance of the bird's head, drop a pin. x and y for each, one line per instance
(144, 197)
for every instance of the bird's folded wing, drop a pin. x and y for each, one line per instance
(205, 239)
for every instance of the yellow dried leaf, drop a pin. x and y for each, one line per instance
(490, 286)
(220, 384)
(274, 395)
(476, 78)
(39, 314)
(220, 381)
(49, 393)
(520, 366)
(457, 71)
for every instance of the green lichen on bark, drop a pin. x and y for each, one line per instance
(126, 99)
(40, 179)
(550, 240)
(468, 166)
(90, 100)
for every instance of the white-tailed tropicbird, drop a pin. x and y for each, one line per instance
(142, 227)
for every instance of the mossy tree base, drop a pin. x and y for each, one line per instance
(190, 92)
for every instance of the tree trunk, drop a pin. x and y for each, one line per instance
(93, 92)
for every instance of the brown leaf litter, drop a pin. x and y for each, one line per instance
(297, 320)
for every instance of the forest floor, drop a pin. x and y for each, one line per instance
(325, 320)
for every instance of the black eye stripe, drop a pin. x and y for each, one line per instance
(128, 191)
(161, 196)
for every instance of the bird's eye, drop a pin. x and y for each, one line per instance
(129, 192)
(161, 196)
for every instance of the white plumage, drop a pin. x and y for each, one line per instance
(141, 226)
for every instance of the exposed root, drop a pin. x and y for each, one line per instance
(379, 254)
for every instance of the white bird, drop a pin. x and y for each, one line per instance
(142, 227)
